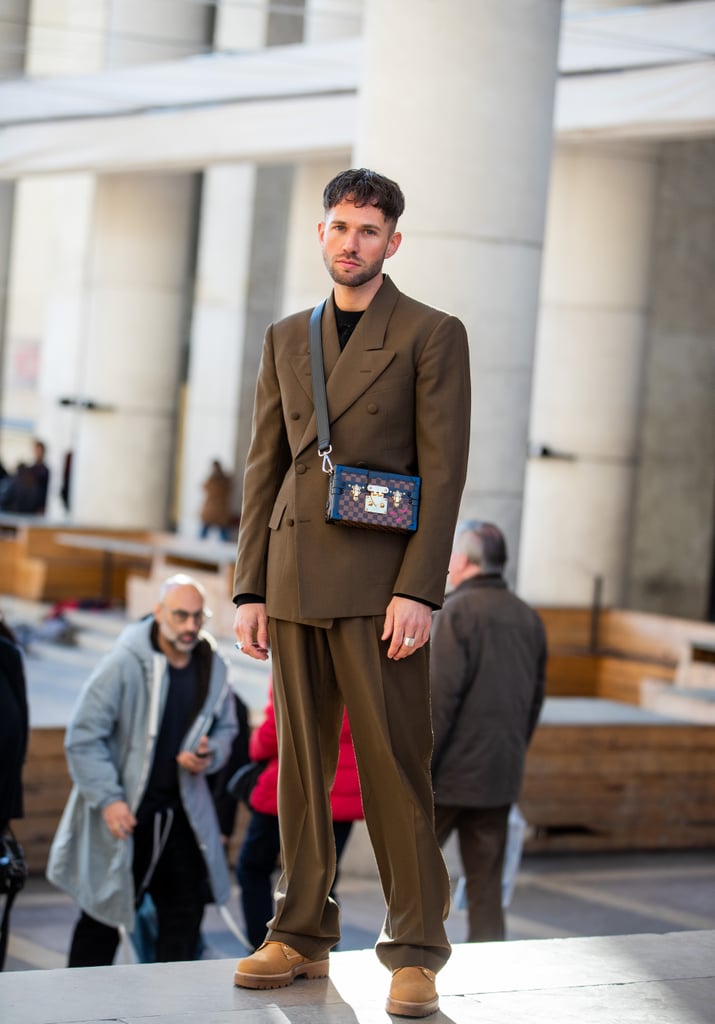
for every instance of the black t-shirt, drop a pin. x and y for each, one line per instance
(163, 786)
(346, 322)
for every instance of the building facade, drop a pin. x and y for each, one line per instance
(161, 169)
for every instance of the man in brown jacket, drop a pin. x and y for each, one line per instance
(488, 661)
(346, 612)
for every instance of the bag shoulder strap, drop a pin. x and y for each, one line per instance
(320, 401)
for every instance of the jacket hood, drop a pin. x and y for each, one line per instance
(136, 637)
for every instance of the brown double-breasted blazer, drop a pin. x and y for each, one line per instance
(398, 399)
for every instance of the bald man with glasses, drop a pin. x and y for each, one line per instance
(152, 721)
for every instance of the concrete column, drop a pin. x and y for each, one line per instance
(244, 278)
(671, 564)
(306, 281)
(21, 315)
(216, 413)
(467, 133)
(587, 385)
(13, 42)
(341, 19)
(305, 278)
(6, 206)
(75, 332)
(139, 276)
(13, 37)
(223, 349)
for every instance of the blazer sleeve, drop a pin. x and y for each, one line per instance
(442, 423)
(268, 460)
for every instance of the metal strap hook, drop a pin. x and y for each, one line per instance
(324, 454)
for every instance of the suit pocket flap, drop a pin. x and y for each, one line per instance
(278, 509)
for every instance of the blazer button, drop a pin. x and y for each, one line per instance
(295, 415)
(372, 408)
(300, 468)
(290, 522)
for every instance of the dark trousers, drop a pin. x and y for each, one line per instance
(205, 527)
(178, 887)
(256, 863)
(481, 832)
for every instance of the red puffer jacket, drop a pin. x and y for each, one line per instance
(345, 798)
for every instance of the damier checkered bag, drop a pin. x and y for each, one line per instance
(372, 499)
(369, 498)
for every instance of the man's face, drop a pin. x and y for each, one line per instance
(180, 617)
(356, 241)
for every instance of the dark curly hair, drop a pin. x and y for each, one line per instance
(365, 188)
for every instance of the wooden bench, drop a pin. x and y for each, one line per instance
(37, 566)
(612, 652)
(46, 785)
(590, 784)
(620, 786)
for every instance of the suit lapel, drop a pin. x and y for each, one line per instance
(350, 373)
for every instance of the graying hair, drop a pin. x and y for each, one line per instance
(180, 579)
(483, 543)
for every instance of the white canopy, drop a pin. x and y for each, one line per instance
(643, 72)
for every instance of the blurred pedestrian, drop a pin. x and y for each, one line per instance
(216, 509)
(488, 660)
(259, 852)
(14, 731)
(14, 726)
(154, 718)
(41, 476)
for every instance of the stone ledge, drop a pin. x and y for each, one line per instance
(664, 979)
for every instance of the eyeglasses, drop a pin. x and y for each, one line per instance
(181, 616)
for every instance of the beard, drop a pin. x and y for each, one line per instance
(356, 276)
(182, 641)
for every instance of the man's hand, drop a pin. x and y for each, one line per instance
(251, 628)
(406, 621)
(119, 819)
(195, 761)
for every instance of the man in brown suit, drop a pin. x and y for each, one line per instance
(347, 612)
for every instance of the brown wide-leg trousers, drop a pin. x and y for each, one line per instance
(315, 672)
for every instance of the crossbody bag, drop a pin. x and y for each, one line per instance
(372, 499)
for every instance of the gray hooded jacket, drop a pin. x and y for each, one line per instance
(109, 745)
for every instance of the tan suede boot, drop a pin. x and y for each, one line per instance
(276, 965)
(412, 992)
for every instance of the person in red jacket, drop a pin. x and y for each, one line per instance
(261, 845)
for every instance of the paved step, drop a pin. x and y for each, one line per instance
(662, 979)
